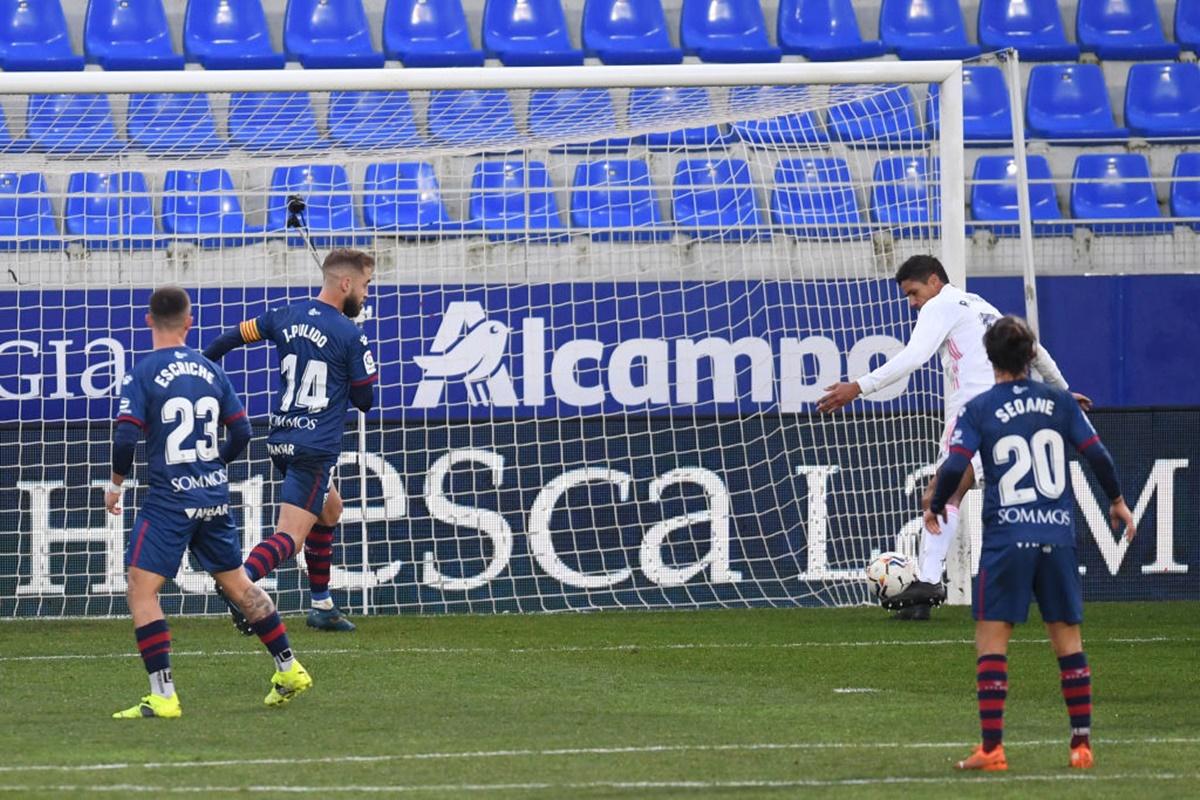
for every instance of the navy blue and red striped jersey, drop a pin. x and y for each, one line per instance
(1022, 431)
(180, 399)
(322, 353)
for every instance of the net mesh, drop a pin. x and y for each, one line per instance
(602, 318)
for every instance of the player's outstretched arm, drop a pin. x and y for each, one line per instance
(245, 333)
(237, 436)
(933, 325)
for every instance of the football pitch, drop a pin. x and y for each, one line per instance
(747, 703)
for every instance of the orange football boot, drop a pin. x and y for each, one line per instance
(1082, 758)
(988, 762)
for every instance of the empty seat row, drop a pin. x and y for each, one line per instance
(611, 200)
(183, 124)
(224, 34)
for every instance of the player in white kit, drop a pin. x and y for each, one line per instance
(950, 322)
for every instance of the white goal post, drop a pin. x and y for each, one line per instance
(606, 301)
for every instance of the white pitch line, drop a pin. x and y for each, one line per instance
(613, 648)
(616, 785)
(562, 751)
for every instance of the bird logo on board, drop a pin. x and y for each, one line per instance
(467, 347)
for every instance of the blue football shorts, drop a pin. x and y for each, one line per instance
(1012, 574)
(306, 479)
(162, 535)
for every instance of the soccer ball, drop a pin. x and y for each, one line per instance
(889, 574)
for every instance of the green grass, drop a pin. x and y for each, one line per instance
(709, 704)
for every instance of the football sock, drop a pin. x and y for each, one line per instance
(269, 554)
(154, 643)
(273, 634)
(318, 556)
(934, 547)
(1077, 692)
(991, 684)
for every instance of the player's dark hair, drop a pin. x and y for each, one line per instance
(345, 257)
(169, 306)
(919, 268)
(1011, 344)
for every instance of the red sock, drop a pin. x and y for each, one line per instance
(318, 555)
(1076, 678)
(269, 554)
(991, 684)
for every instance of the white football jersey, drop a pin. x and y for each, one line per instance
(952, 324)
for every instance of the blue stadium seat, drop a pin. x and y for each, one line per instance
(109, 211)
(202, 206)
(34, 37)
(280, 121)
(71, 124)
(429, 33)
(1035, 30)
(823, 30)
(726, 31)
(1187, 24)
(1069, 101)
(1163, 100)
(229, 34)
(714, 199)
(565, 115)
(1185, 188)
(528, 33)
(615, 202)
(987, 118)
(330, 207)
(363, 120)
(1110, 186)
(129, 35)
(1122, 29)
(925, 29)
(994, 196)
(329, 34)
(814, 198)
(663, 106)
(173, 124)
(905, 196)
(882, 118)
(628, 32)
(26, 215)
(514, 201)
(405, 197)
(785, 129)
(479, 117)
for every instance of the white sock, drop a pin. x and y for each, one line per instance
(324, 605)
(161, 683)
(284, 659)
(934, 547)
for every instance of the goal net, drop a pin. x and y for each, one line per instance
(606, 301)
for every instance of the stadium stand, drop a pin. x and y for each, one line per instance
(129, 35)
(71, 124)
(1185, 188)
(814, 198)
(715, 199)
(628, 32)
(330, 208)
(366, 120)
(110, 211)
(329, 34)
(405, 197)
(229, 34)
(273, 121)
(528, 33)
(514, 201)
(471, 117)
(173, 124)
(1035, 30)
(904, 194)
(26, 214)
(823, 30)
(925, 29)
(34, 37)
(1116, 186)
(420, 33)
(1122, 29)
(203, 206)
(726, 31)
(994, 196)
(616, 194)
(1070, 101)
(1163, 100)
(646, 105)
